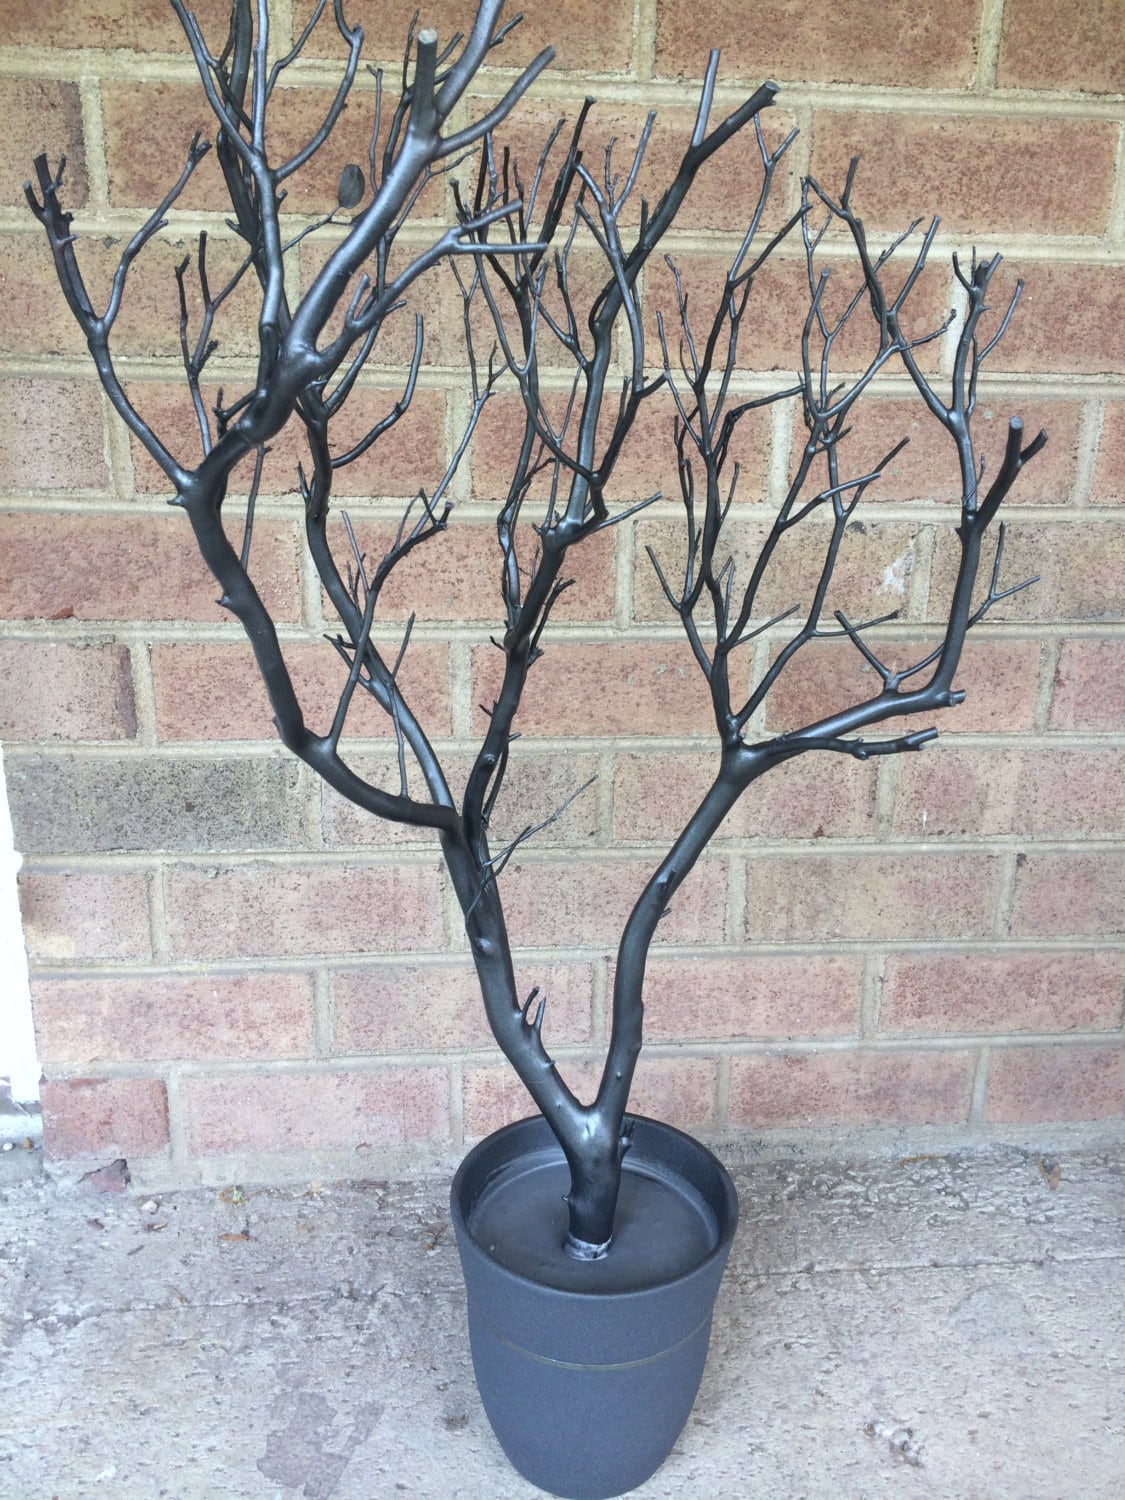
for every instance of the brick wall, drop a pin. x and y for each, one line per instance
(235, 971)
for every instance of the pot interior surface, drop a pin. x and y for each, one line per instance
(662, 1229)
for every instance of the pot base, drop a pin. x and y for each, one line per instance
(588, 1371)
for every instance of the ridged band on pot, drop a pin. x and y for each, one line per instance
(587, 1392)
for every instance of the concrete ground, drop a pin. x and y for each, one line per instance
(940, 1325)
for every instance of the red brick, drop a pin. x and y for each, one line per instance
(437, 1007)
(640, 688)
(457, 576)
(1048, 46)
(678, 1090)
(861, 41)
(536, 784)
(1067, 321)
(408, 457)
(1053, 793)
(579, 903)
(120, 1019)
(41, 114)
(974, 993)
(797, 1089)
(927, 469)
(206, 692)
(873, 573)
(779, 304)
(130, 567)
(1069, 894)
(1001, 175)
(316, 1111)
(896, 896)
(1080, 566)
(139, 25)
(1089, 686)
(1000, 678)
(37, 318)
(123, 1116)
(815, 797)
(432, 295)
(645, 465)
(585, 36)
(274, 910)
(52, 691)
(704, 999)
(52, 436)
(1030, 1085)
(85, 916)
(1107, 488)
(148, 129)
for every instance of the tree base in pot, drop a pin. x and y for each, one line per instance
(588, 1370)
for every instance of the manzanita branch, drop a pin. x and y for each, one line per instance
(511, 254)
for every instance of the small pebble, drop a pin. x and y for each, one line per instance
(150, 1207)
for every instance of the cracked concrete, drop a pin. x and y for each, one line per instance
(941, 1326)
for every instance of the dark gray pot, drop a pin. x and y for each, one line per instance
(588, 1381)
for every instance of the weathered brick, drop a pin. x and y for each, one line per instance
(85, 915)
(585, 36)
(1054, 793)
(53, 691)
(872, 576)
(123, 1116)
(751, 996)
(409, 456)
(251, 911)
(212, 692)
(640, 688)
(1082, 299)
(678, 1090)
(815, 797)
(1055, 174)
(1000, 678)
(1069, 894)
(1029, 1085)
(536, 785)
(114, 567)
(316, 1111)
(959, 994)
(1047, 46)
(795, 1089)
(93, 804)
(861, 41)
(138, 25)
(1080, 567)
(437, 1007)
(927, 468)
(52, 436)
(586, 902)
(457, 576)
(1107, 487)
(1089, 686)
(124, 1019)
(825, 896)
(41, 114)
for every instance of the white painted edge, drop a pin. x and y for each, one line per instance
(18, 1062)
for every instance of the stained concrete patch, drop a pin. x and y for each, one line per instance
(944, 1327)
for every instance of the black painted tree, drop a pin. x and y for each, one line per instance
(512, 249)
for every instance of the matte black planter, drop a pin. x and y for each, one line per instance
(588, 1371)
